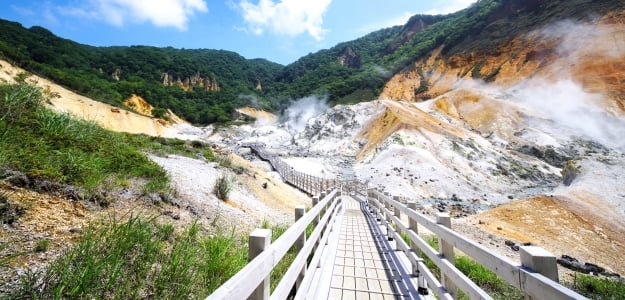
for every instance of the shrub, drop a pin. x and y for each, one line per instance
(42, 245)
(158, 112)
(222, 187)
(208, 154)
(569, 172)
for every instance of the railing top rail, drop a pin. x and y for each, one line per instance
(243, 283)
(531, 283)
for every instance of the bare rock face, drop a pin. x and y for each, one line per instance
(208, 83)
(349, 58)
(117, 74)
(551, 53)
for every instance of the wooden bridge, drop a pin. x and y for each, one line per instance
(352, 245)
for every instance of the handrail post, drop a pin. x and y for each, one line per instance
(397, 214)
(315, 201)
(414, 226)
(300, 210)
(387, 205)
(447, 250)
(539, 260)
(259, 240)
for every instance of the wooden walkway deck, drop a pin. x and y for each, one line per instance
(364, 264)
(350, 255)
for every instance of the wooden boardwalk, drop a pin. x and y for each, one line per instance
(357, 251)
(363, 265)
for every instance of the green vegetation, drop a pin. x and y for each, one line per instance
(46, 145)
(222, 187)
(138, 258)
(142, 258)
(89, 71)
(569, 172)
(599, 288)
(479, 29)
(280, 269)
(42, 245)
(590, 286)
(484, 278)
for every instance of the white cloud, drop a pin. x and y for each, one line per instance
(161, 13)
(285, 17)
(449, 6)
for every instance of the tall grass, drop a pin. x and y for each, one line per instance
(598, 288)
(54, 146)
(137, 259)
(483, 277)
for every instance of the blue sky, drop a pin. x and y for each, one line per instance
(279, 30)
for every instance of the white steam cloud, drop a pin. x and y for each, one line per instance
(581, 39)
(302, 110)
(252, 99)
(566, 101)
(567, 104)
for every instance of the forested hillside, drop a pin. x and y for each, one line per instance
(475, 31)
(111, 74)
(204, 86)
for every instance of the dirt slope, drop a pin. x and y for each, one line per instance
(105, 115)
(549, 223)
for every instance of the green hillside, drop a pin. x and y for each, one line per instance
(349, 72)
(480, 28)
(88, 70)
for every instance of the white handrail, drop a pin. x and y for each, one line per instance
(244, 282)
(529, 282)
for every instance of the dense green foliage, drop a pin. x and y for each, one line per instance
(88, 70)
(48, 145)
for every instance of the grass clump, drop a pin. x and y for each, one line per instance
(280, 269)
(483, 277)
(599, 288)
(48, 145)
(138, 259)
(223, 186)
(487, 280)
(569, 172)
(42, 245)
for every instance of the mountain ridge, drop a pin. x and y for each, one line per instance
(112, 74)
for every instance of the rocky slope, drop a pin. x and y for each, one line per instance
(490, 137)
(107, 116)
(591, 54)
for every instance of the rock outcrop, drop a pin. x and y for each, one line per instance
(208, 83)
(591, 54)
(349, 58)
(117, 74)
(139, 105)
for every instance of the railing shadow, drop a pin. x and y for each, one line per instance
(402, 280)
